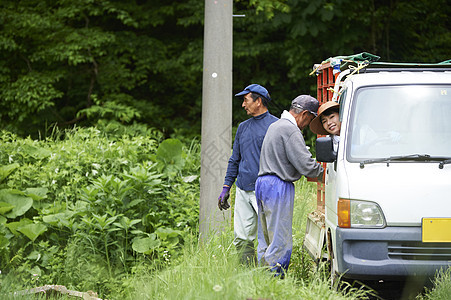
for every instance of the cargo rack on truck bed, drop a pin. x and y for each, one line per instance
(398, 67)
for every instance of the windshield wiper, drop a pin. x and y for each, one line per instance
(444, 162)
(417, 157)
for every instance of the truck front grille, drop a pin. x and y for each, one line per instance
(420, 251)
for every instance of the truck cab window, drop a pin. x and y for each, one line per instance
(400, 120)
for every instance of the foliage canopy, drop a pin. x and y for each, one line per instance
(71, 62)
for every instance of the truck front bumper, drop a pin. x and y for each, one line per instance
(391, 252)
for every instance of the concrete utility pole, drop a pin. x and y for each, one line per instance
(216, 114)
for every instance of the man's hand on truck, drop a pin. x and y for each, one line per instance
(319, 179)
(222, 200)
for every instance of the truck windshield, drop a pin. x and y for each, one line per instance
(389, 121)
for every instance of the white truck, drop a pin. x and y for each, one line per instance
(384, 211)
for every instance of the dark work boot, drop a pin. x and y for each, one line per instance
(247, 254)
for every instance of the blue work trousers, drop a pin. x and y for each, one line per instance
(275, 200)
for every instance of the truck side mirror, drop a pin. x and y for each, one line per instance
(325, 149)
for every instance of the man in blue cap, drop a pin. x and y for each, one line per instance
(243, 167)
(284, 159)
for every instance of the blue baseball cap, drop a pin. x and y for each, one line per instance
(255, 88)
(306, 102)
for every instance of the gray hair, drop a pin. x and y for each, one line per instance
(296, 108)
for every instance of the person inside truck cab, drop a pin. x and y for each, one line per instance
(371, 136)
(328, 122)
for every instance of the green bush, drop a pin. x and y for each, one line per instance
(83, 207)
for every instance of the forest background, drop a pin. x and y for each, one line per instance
(100, 111)
(74, 62)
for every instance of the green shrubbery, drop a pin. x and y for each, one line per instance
(114, 210)
(84, 207)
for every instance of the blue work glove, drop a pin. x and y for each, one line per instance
(222, 200)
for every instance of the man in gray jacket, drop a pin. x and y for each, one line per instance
(284, 159)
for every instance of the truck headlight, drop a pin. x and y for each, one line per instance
(361, 214)
(366, 214)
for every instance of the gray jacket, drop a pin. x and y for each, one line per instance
(285, 154)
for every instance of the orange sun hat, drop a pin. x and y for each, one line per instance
(316, 126)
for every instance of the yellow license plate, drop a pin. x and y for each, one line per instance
(436, 230)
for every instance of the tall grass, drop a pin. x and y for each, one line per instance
(441, 289)
(212, 270)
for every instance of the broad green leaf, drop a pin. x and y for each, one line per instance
(172, 241)
(34, 255)
(51, 219)
(13, 226)
(36, 152)
(170, 152)
(16, 198)
(145, 245)
(32, 231)
(165, 232)
(36, 193)
(63, 218)
(5, 171)
(5, 207)
(35, 271)
(4, 242)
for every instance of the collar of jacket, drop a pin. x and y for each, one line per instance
(289, 117)
(262, 115)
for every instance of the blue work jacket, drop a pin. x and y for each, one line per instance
(244, 162)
